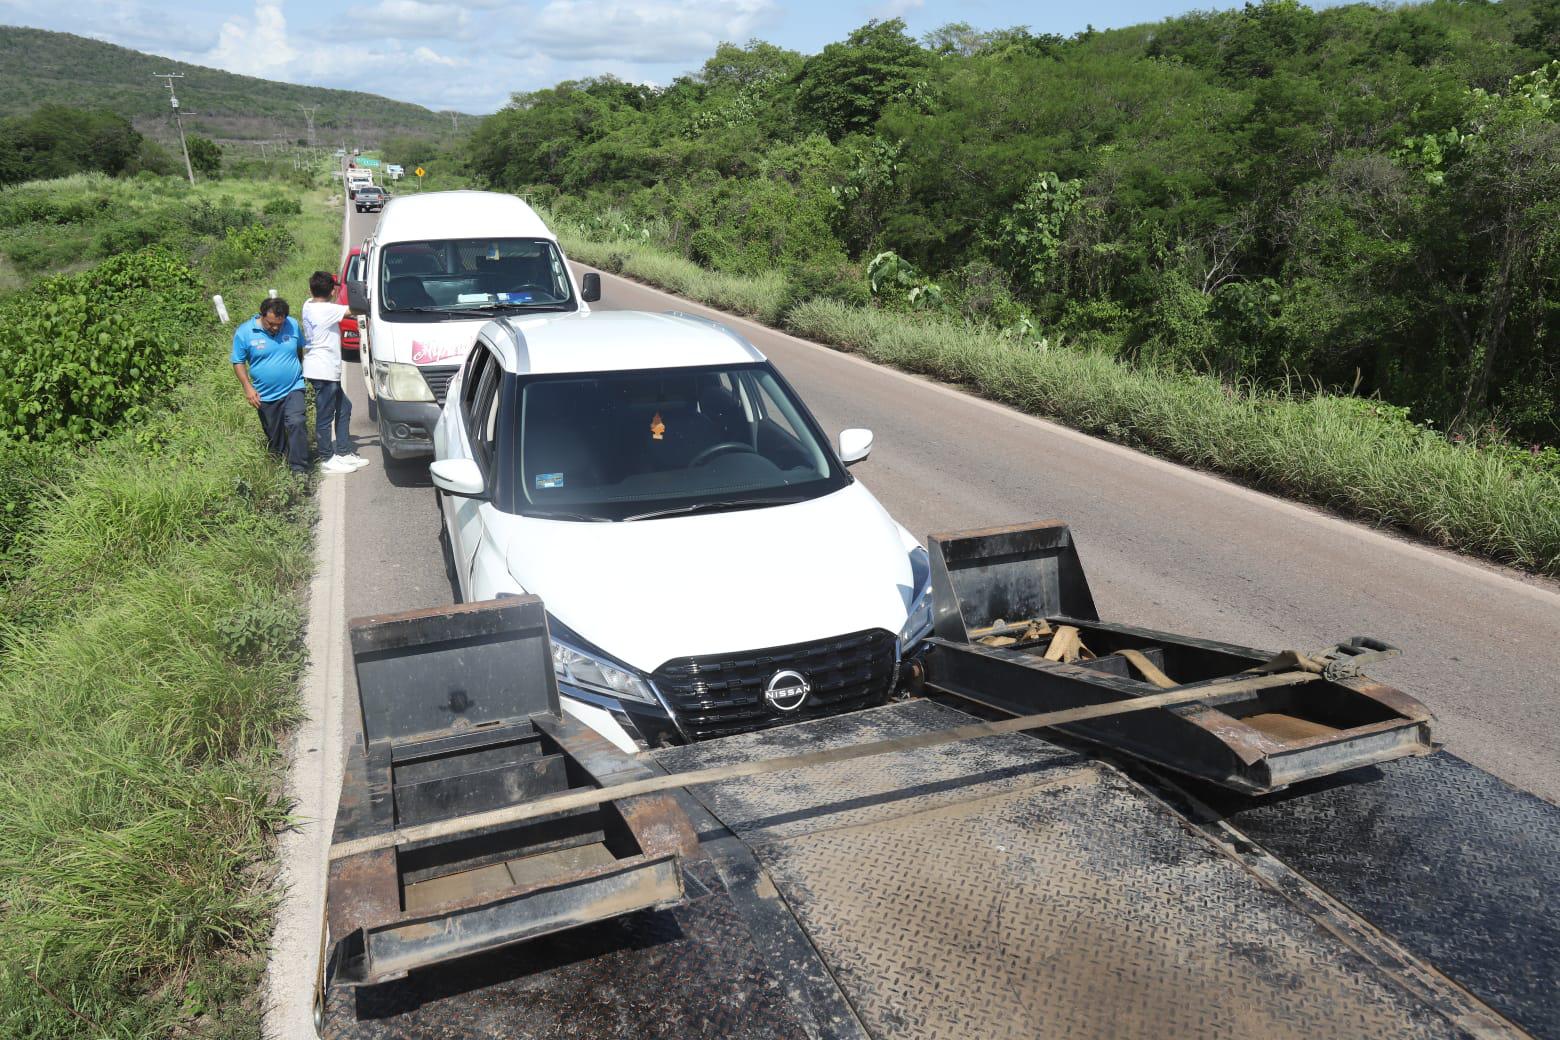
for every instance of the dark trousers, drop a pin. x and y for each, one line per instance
(285, 433)
(332, 409)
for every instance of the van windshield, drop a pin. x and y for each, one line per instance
(666, 442)
(472, 277)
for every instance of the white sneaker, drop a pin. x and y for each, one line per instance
(337, 464)
(355, 460)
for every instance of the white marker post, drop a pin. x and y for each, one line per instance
(222, 314)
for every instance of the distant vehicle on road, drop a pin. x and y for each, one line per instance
(351, 271)
(662, 457)
(357, 177)
(369, 197)
(439, 265)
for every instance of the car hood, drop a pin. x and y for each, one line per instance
(426, 343)
(648, 591)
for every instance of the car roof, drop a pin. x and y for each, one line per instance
(614, 341)
(458, 214)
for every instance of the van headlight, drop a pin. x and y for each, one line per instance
(591, 672)
(400, 382)
(918, 620)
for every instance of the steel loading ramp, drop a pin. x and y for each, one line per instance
(1006, 887)
(1000, 887)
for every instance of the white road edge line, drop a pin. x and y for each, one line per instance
(313, 785)
(1530, 586)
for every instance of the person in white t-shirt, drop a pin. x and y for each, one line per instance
(322, 368)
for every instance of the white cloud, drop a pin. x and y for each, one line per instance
(428, 56)
(396, 19)
(643, 30)
(254, 46)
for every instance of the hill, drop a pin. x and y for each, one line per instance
(39, 67)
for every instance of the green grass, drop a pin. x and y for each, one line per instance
(1351, 455)
(763, 297)
(1342, 452)
(152, 645)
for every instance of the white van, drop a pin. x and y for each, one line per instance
(440, 266)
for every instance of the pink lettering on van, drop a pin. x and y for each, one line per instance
(424, 354)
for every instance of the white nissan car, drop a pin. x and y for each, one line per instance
(708, 564)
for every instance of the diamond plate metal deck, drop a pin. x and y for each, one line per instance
(1007, 887)
(1460, 868)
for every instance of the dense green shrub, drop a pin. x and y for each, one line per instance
(207, 216)
(85, 353)
(252, 249)
(282, 206)
(1360, 196)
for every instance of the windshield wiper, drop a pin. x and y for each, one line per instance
(723, 506)
(458, 312)
(511, 305)
(556, 515)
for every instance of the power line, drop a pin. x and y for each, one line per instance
(173, 102)
(308, 114)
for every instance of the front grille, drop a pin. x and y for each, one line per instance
(719, 695)
(439, 380)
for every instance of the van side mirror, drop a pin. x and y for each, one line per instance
(855, 445)
(590, 287)
(357, 296)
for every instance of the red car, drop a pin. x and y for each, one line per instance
(352, 268)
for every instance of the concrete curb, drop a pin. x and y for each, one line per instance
(313, 785)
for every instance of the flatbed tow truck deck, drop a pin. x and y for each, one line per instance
(1011, 885)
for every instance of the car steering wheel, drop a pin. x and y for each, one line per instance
(718, 449)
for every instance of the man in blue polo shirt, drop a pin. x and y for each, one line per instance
(267, 355)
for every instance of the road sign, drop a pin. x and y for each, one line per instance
(367, 162)
(419, 171)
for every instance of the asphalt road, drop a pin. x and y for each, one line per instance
(1164, 546)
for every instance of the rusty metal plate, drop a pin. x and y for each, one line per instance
(800, 801)
(1460, 868)
(1077, 908)
(690, 972)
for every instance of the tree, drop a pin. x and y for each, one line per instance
(205, 156)
(845, 87)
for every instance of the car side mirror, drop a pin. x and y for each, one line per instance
(855, 445)
(590, 287)
(357, 296)
(461, 477)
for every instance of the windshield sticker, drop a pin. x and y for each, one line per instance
(657, 427)
(549, 480)
(427, 354)
(516, 297)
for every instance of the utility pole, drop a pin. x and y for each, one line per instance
(454, 121)
(308, 114)
(173, 102)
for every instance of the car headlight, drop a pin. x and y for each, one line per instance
(400, 382)
(918, 620)
(589, 672)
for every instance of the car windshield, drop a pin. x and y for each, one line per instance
(453, 277)
(639, 445)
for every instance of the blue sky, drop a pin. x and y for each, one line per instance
(471, 56)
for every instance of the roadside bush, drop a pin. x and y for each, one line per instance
(282, 206)
(87, 352)
(127, 236)
(44, 251)
(213, 217)
(251, 250)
